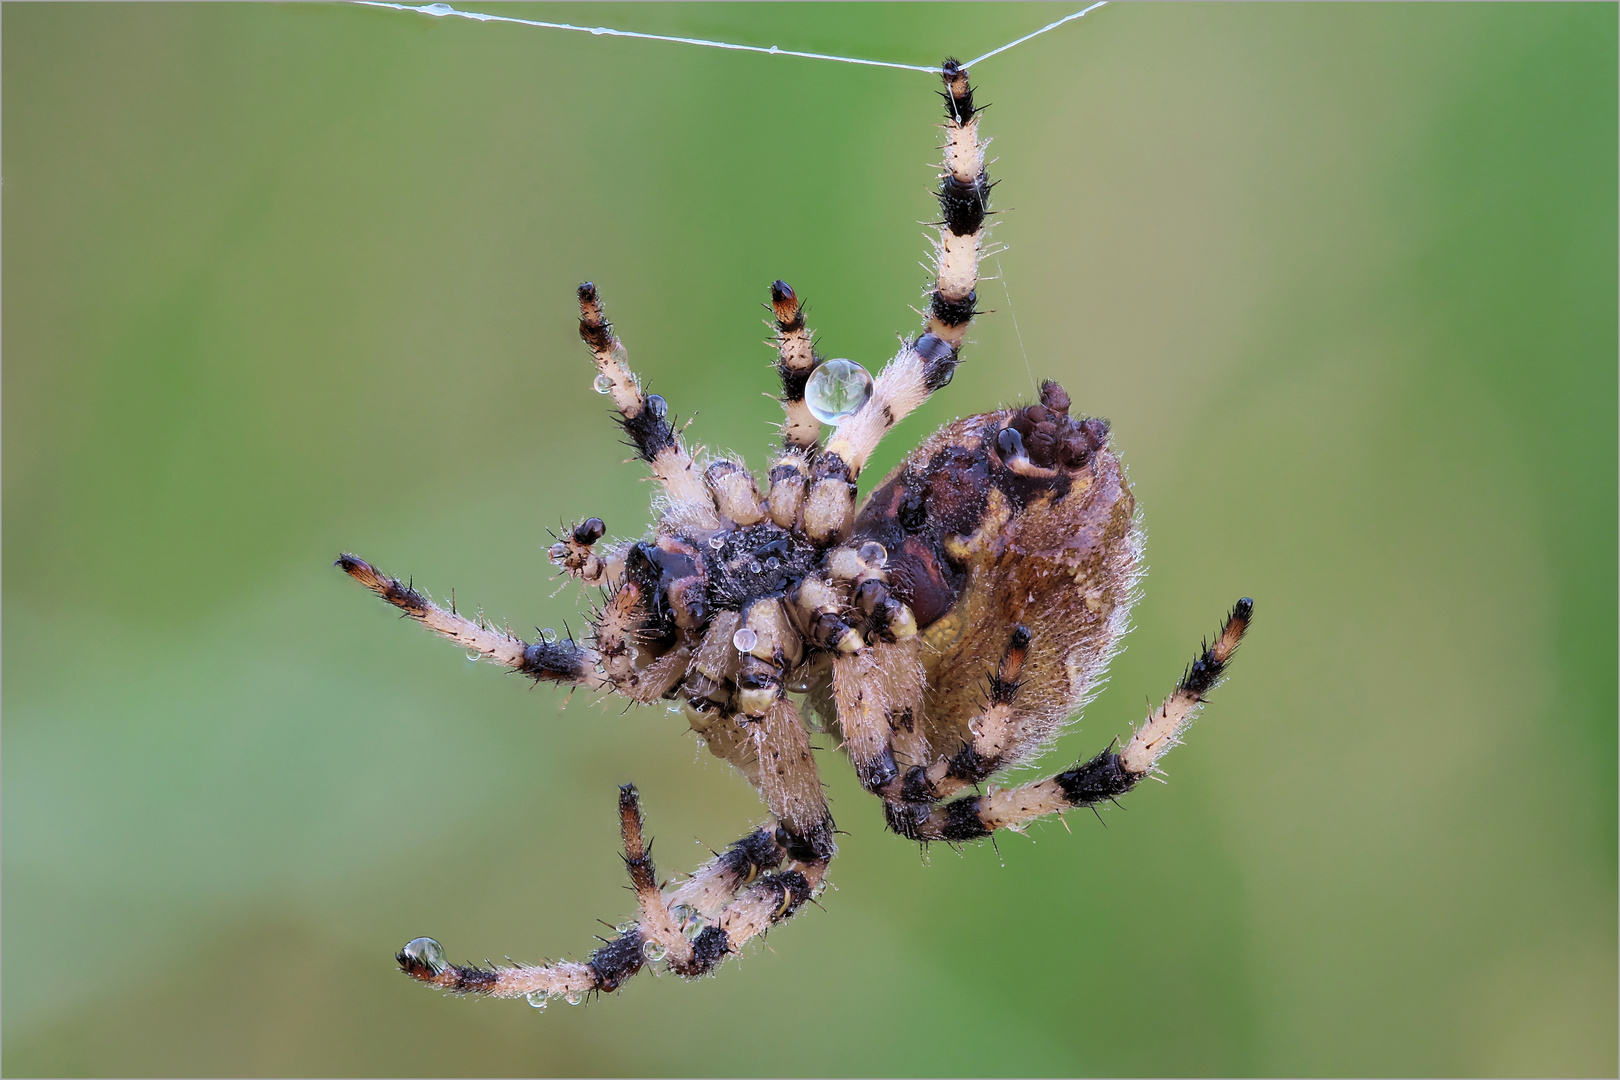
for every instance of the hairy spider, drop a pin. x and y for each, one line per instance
(944, 630)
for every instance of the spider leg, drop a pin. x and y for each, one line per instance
(562, 662)
(654, 933)
(993, 737)
(877, 690)
(804, 836)
(1105, 776)
(796, 359)
(695, 928)
(927, 363)
(645, 419)
(719, 921)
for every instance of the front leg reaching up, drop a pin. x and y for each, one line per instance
(645, 418)
(927, 363)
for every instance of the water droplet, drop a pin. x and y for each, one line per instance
(474, 655)
(657, 406)
(772, 563)
(603, 384)
(744, 639)
(573, 997)
(717, 541)
(438, 9)
(549, 636)
(653, 951)
(683, 913)
(873, 554)
(625, 927)
(694, 928)
(754, 567)
(536, 1000)
(427, 952)
(837, 390)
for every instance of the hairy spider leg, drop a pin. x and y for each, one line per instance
(877, 691)
(927, 363)
(645, 419)
(608, 967)
(561, 662)
(734, 895)
(796, 359)
(994, 734)
(1105, 776)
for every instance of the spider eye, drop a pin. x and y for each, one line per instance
(1010, 444)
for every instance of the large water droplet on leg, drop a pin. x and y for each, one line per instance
(837, 390)
(426, 952)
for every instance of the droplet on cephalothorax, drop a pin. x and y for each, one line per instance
(625, 927)
(426, 952)
(837, 390)
(653, 951)
(603, 384)
(549, 636)
(744, 639)
(536, 1000)
(772, 563)
(873, 554)
(754, 567)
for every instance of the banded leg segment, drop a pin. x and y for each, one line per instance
(694, 928)
(796, 359)
(645, 418)
(928, 363)
(993, 737)
(562, 662)
(964, 203)
(1105, 776)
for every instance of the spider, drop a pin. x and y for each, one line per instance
(944, 630)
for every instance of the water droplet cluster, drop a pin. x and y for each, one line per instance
(837, 390)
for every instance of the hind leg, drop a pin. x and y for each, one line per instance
(1105, 776)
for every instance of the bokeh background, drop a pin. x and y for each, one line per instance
(285, 280)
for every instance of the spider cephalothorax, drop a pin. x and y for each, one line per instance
(943, 631)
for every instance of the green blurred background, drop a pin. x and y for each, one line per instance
(284, 280)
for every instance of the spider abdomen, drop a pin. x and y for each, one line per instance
(1016, 518)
